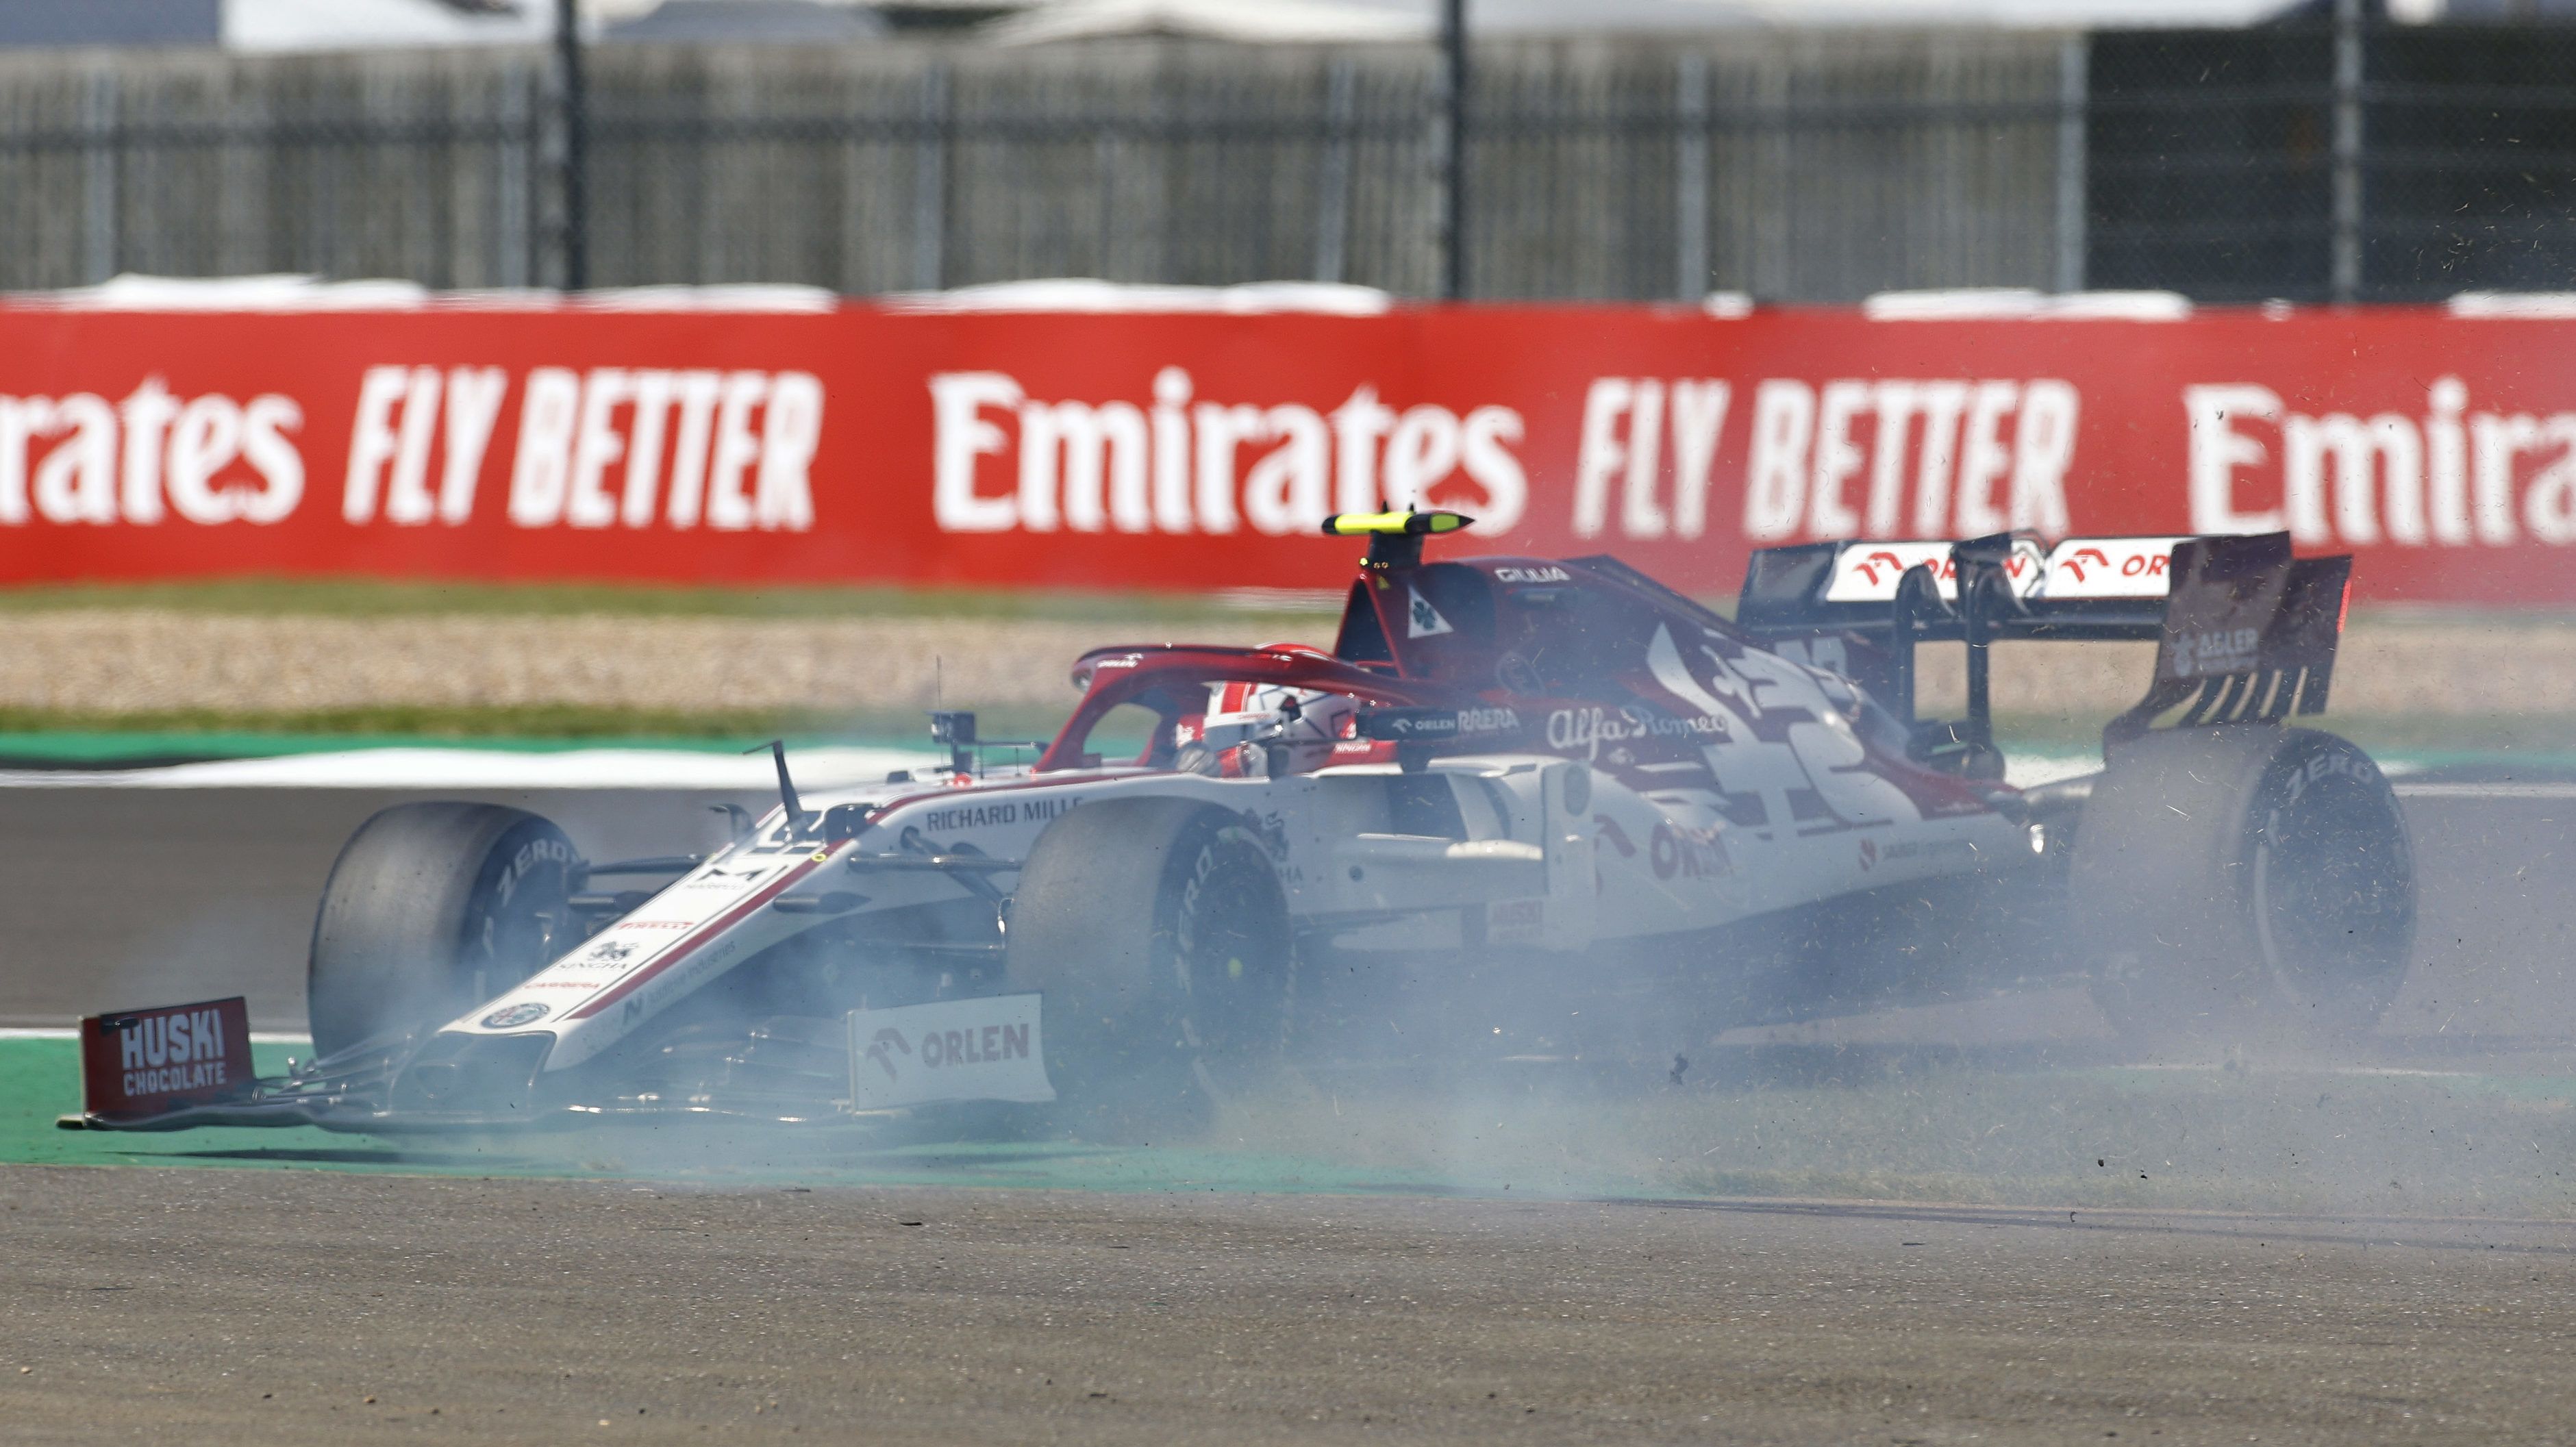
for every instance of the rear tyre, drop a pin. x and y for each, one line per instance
(1158, 932)
(431, 909)
(2238, 883)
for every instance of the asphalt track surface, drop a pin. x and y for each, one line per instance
(261, 1307)
(287, 1306)
(115, 898)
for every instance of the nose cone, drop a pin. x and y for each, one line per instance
(481, 1075)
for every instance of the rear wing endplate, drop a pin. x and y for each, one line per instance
(2249, 635)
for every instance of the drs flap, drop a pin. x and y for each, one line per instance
(143, 1062)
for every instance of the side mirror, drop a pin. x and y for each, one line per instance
(956, 729)
(842, 822)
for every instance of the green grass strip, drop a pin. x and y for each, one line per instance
(76, 736)
(40, 1080)
(2369, 1142)
(28, 732)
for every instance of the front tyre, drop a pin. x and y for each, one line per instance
(431, 909)
(1158, 932)
(2242, 882)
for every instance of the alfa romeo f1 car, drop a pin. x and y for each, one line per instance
(1523, 807)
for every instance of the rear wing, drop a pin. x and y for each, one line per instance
(2082, 588)
(2245, 632)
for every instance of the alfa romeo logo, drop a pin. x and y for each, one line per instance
(509, 1016)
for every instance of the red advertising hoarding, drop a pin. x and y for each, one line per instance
(1195, 450)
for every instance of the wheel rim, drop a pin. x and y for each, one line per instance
(1231, 952)
(512, 927)
(2333, 893)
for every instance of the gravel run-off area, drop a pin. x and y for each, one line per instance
(112, 661)
(141, 661)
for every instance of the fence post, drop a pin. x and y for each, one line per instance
(576, 158)
(1333, 176)
(1690, 177)
(511, 245)
(2073, 67)
(1108, 159)
(930, 182)
(99, 176)
(1775, 274)
(2347, 150)
(1453, 139)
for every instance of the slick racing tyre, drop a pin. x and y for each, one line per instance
(2242, 883)
(431, 909)
(1158, 933)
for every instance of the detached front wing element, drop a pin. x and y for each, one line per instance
(138, 1064)
(180, 1066)
(190, 1066)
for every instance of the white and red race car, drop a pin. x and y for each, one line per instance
(1524, 806)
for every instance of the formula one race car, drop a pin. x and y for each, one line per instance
(1525, 807)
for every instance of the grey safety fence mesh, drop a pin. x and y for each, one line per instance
(1793, 166)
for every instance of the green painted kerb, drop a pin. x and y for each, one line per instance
(40, 1081)
(107, 749)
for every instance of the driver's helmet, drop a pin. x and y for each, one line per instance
(1255, 730)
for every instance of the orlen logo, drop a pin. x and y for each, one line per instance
(2082, 558)
(882, 1048)
(974, 1046)
(208, 459)
(942, 1048)
(2110, 568)
(1691, 853)
(1868, 572)
(1869, 567)
(1178, 465)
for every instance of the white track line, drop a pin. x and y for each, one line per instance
(257, 1037)
(2487, 791)
(817, 768)
(437, 768)
(2029, 771)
